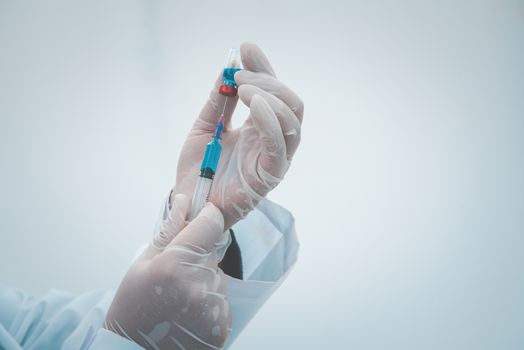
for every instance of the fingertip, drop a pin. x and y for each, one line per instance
(238, 77)
(245, 76)
(201, 234)
(211, 213)
(180, 197)
(181, 205)
(245, 45)
(244, 95)
(246, 48)
(254, 59)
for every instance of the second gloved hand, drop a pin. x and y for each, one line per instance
(174, 295)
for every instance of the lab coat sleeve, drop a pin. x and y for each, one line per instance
(63, 321)
(57, 320)
(269, 247)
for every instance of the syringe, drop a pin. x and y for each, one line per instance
(214, 148)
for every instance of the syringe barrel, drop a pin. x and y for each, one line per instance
(213, 148)
(200, 196)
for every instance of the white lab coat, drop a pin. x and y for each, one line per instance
(60, 320)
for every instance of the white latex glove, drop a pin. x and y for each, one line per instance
(255, 156)
(174, 295)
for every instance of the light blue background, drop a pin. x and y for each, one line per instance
(408, 189)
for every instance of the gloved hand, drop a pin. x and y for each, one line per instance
(255, 156)
(174, 295)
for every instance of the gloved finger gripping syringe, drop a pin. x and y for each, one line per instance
(214, 148)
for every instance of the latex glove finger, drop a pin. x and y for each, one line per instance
(174, 222)
(198, 240)
(254, 59)
(274, 87)
(207, 119)
(287, 119)
(272, 162)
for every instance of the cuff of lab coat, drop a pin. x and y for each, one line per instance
(268, 242)
(105, 339)
(269, 249)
